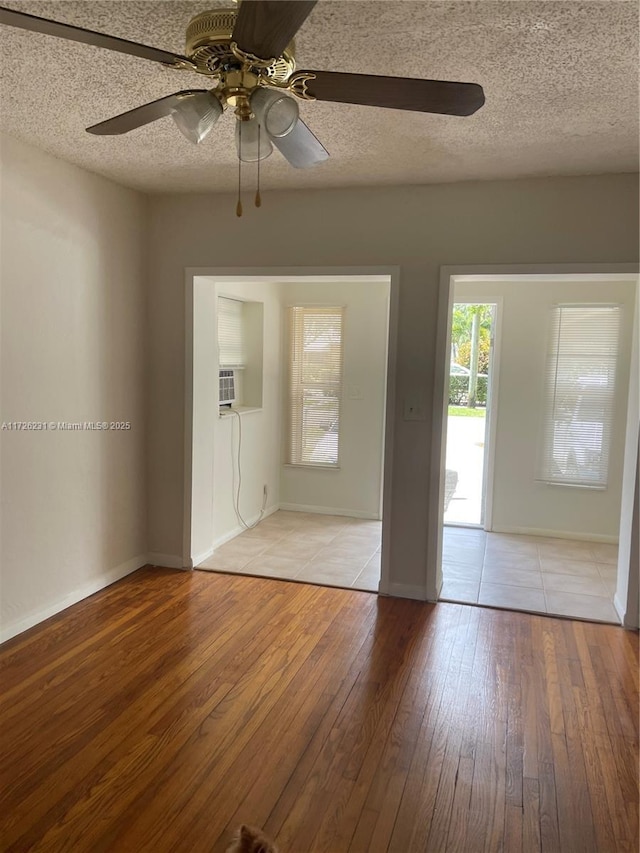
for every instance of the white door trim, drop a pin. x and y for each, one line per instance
(492, 405)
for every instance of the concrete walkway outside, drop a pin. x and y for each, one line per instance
(465, 455)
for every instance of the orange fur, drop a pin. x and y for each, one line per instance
(250, 840)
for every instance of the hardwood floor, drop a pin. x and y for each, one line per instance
(167, 709)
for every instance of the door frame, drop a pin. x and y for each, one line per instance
(491, 407)
(280, 273)
(628, 609)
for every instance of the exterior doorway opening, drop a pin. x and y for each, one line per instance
(468, 412)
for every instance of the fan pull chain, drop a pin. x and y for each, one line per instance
(258, 197)
(239, 204)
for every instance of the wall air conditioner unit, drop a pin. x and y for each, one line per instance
(227, 388)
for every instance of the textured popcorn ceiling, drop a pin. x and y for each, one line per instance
(560, 78)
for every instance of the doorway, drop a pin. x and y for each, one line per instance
(545, 547)
(471, 368)
(280, 503)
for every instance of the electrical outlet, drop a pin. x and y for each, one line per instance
(415, 408)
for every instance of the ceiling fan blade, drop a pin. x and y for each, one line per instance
(265, 27)
(398, 93)
(53, 28)
(300, 147)
(139, 116)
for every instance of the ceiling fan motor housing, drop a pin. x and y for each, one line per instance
(209, 37)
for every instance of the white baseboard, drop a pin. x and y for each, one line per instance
(200, 558)
(402, 590)
(620, 610)
(166, 561)
(236, 531)
(87, 589)
(556, 534)
(627, 619)
(231, 534)
(327, 510)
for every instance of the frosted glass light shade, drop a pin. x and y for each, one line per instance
(250, 144)
(196, 115)
(300, 147)
(276, 112)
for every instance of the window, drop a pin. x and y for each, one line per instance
(240, 331)
(231, 349)
(580, 394)
(315, 385)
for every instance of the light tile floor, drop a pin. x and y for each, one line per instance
(556, 576)
(326, 549)
(561, 577)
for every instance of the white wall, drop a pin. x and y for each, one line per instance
(73, 350)
(520, 503)
(627, 596)
(205, 416)
(555, 220)
(356, 487)
(260, 456)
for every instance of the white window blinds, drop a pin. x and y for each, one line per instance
(580, 394)
(231, 349)
(315, 385)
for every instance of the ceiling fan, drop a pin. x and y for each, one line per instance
(249, 53)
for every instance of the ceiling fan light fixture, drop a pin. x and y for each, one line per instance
(278, 113)
(252, 143)
(195, 115)
(249, 52)
(301, 148)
